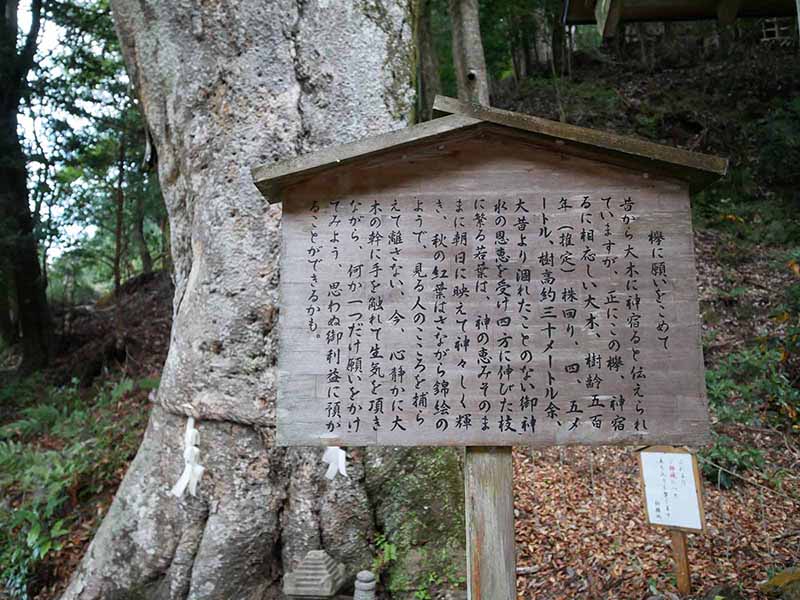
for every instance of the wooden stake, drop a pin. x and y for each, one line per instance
(681, 555)
(489, 505)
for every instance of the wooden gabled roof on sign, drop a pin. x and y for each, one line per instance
(699, 170)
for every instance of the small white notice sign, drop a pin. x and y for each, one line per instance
(672, 488)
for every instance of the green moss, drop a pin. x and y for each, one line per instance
(419, 497)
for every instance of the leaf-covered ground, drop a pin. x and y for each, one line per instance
(581, 526)
(580, 520)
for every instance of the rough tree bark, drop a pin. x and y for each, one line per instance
(468, 58)
(166, 252)
(225, 86)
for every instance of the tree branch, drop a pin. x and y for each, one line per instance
(25, 59)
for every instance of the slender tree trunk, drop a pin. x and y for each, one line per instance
(138, 234)
(517, 45)
(7, 333)
(225, 87)
(557, 51)
(17, 235)
(119, 213)
(430, 79)
(468, 58)
(640, 33)
(528, 38)
(19, 243)
(45, 280)
(119, 247)
(166, 250)
(542, 40)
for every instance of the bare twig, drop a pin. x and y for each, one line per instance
(783, 536)
(750, 481)
(527, 570)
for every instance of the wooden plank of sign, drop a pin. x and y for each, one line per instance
(493, 167)
(697, 481)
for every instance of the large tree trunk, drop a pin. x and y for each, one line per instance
(225, 86)
(468, 59)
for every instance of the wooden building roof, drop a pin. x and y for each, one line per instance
(699, 170)
(610, 12)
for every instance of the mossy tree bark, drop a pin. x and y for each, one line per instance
(225, 86)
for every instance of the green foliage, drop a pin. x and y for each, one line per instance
(587, 38)
(88, 441)
(739, 205)
(387, 554)
(791, 298)
(735, 205)
(649, 125)
(35, 420)
(732, 457)
(509, 28)
(20, 392)
(86, 145)
(578, 97)
(779, 137)
(442, 30)
(751, 386)
(73, 280)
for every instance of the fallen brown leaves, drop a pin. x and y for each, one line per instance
(580, 520)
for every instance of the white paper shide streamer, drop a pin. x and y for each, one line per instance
(337, 461)
(191, 470)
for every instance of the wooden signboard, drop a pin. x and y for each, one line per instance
(488, 291)
(673, 498)
(489, 279)
(671, 488)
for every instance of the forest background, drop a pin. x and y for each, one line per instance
(85, 263)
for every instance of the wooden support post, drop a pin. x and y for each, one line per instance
(489, 505)
(681, 554)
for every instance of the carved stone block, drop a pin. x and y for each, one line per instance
(318, 576)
